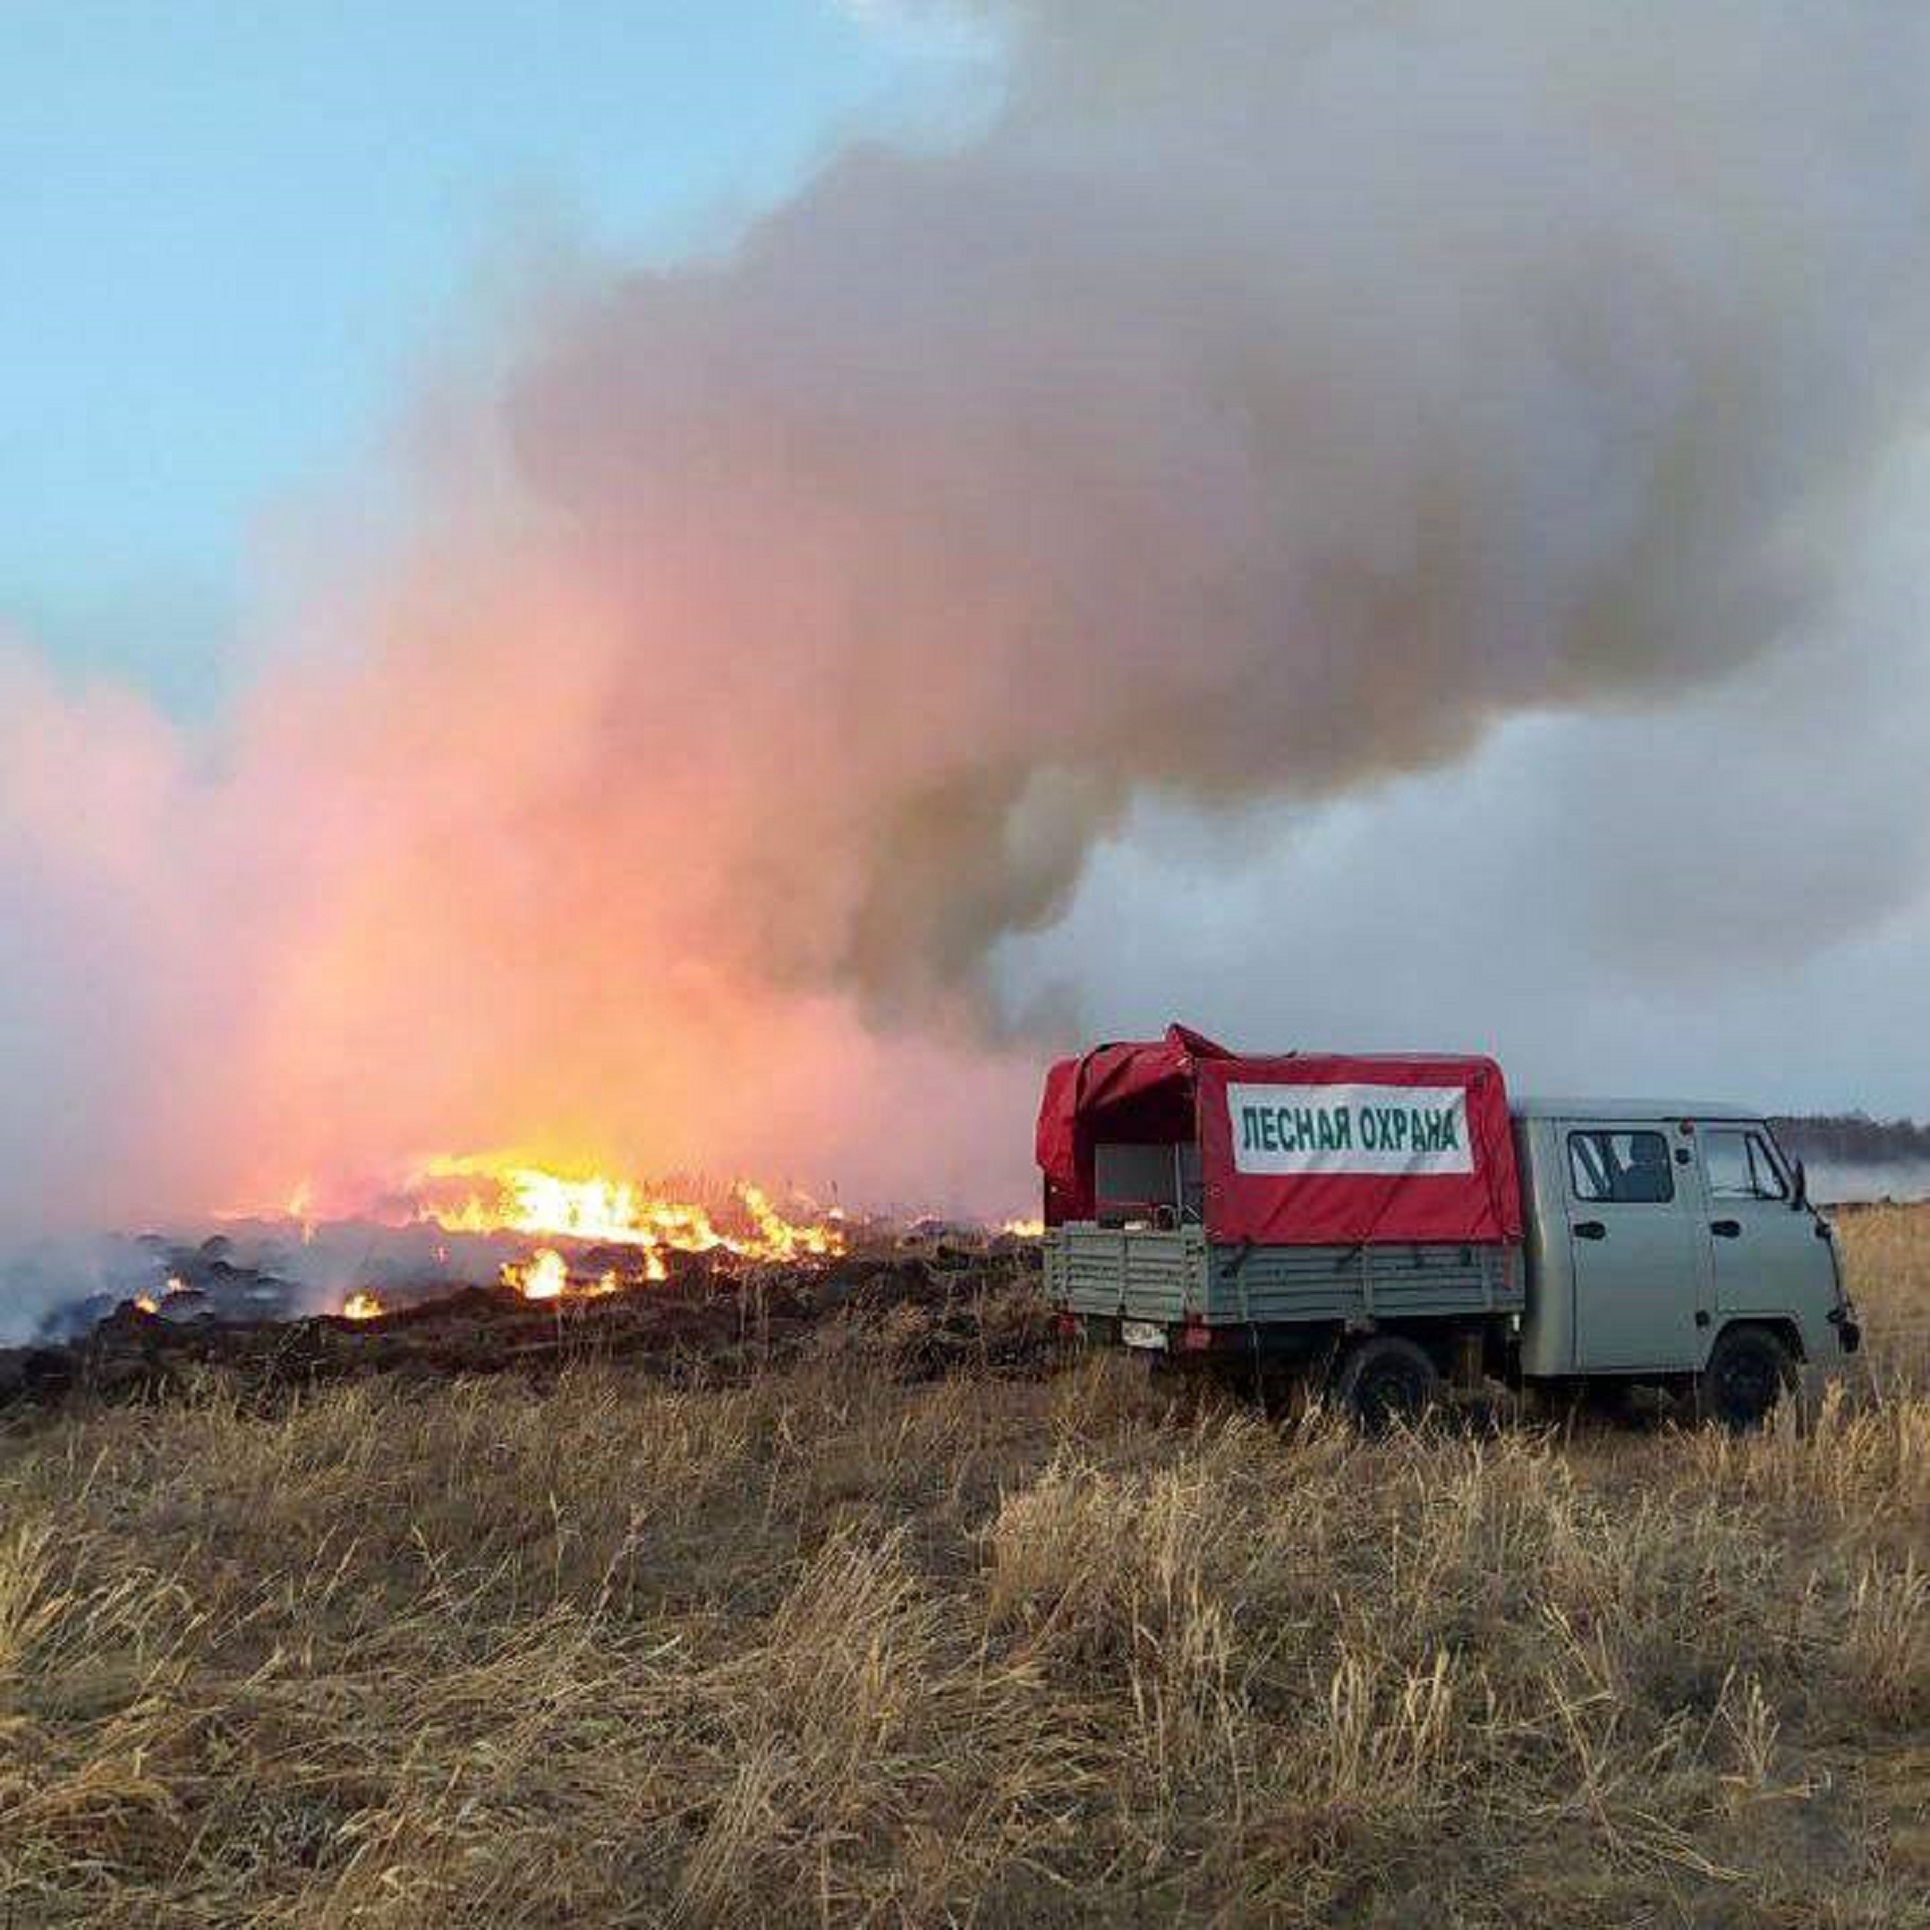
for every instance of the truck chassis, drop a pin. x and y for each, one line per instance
(1174, 1294)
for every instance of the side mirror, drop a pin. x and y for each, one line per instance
(1800, 1198)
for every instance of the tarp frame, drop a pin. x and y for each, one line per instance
(1410, 1148)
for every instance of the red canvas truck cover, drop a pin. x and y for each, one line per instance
(1310, 1149)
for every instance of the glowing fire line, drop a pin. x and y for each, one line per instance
(599, 1210)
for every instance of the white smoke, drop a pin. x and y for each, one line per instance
(1276, 396)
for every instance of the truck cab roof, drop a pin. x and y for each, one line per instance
(1567, 1107)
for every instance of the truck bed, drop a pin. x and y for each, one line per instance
(1180, 1276)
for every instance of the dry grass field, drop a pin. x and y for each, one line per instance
(831, 1648)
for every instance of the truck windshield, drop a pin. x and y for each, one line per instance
(1741, 1167)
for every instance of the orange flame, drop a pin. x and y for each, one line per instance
(542, 1277)
(506, 1197)
(494, 1195)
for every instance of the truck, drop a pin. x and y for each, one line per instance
(1387, 1230)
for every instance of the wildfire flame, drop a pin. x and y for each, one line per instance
(498, 1197)
(544, 1276)
(555, 1212)
(151, 1303)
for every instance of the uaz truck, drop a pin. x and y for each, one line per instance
(1384, 1227)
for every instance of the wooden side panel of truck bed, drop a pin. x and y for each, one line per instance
(1167, 1276)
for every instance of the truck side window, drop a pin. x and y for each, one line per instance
(1741, 1167)
(1630, 1169)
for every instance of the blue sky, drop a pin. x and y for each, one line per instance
(230, 229)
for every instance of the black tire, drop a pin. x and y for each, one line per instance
(1750, 1370)
(1386, 1379)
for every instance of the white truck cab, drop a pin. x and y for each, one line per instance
(1670, 1239)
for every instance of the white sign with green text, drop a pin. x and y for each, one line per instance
(1349, 1129)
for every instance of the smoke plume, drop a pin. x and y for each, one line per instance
(1269, 400)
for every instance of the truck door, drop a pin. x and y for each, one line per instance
(1638, 1247)
(1766, 1255)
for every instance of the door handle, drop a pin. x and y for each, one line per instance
(1590, 1230)
(1726, 1229)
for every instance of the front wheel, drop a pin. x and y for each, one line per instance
(1386, 1379)
(1749, 1371)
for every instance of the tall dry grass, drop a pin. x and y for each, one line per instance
(828, 1649)
(1888, 1248)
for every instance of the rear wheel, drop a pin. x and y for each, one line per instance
(1749, 1371)
(1386, 1379)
